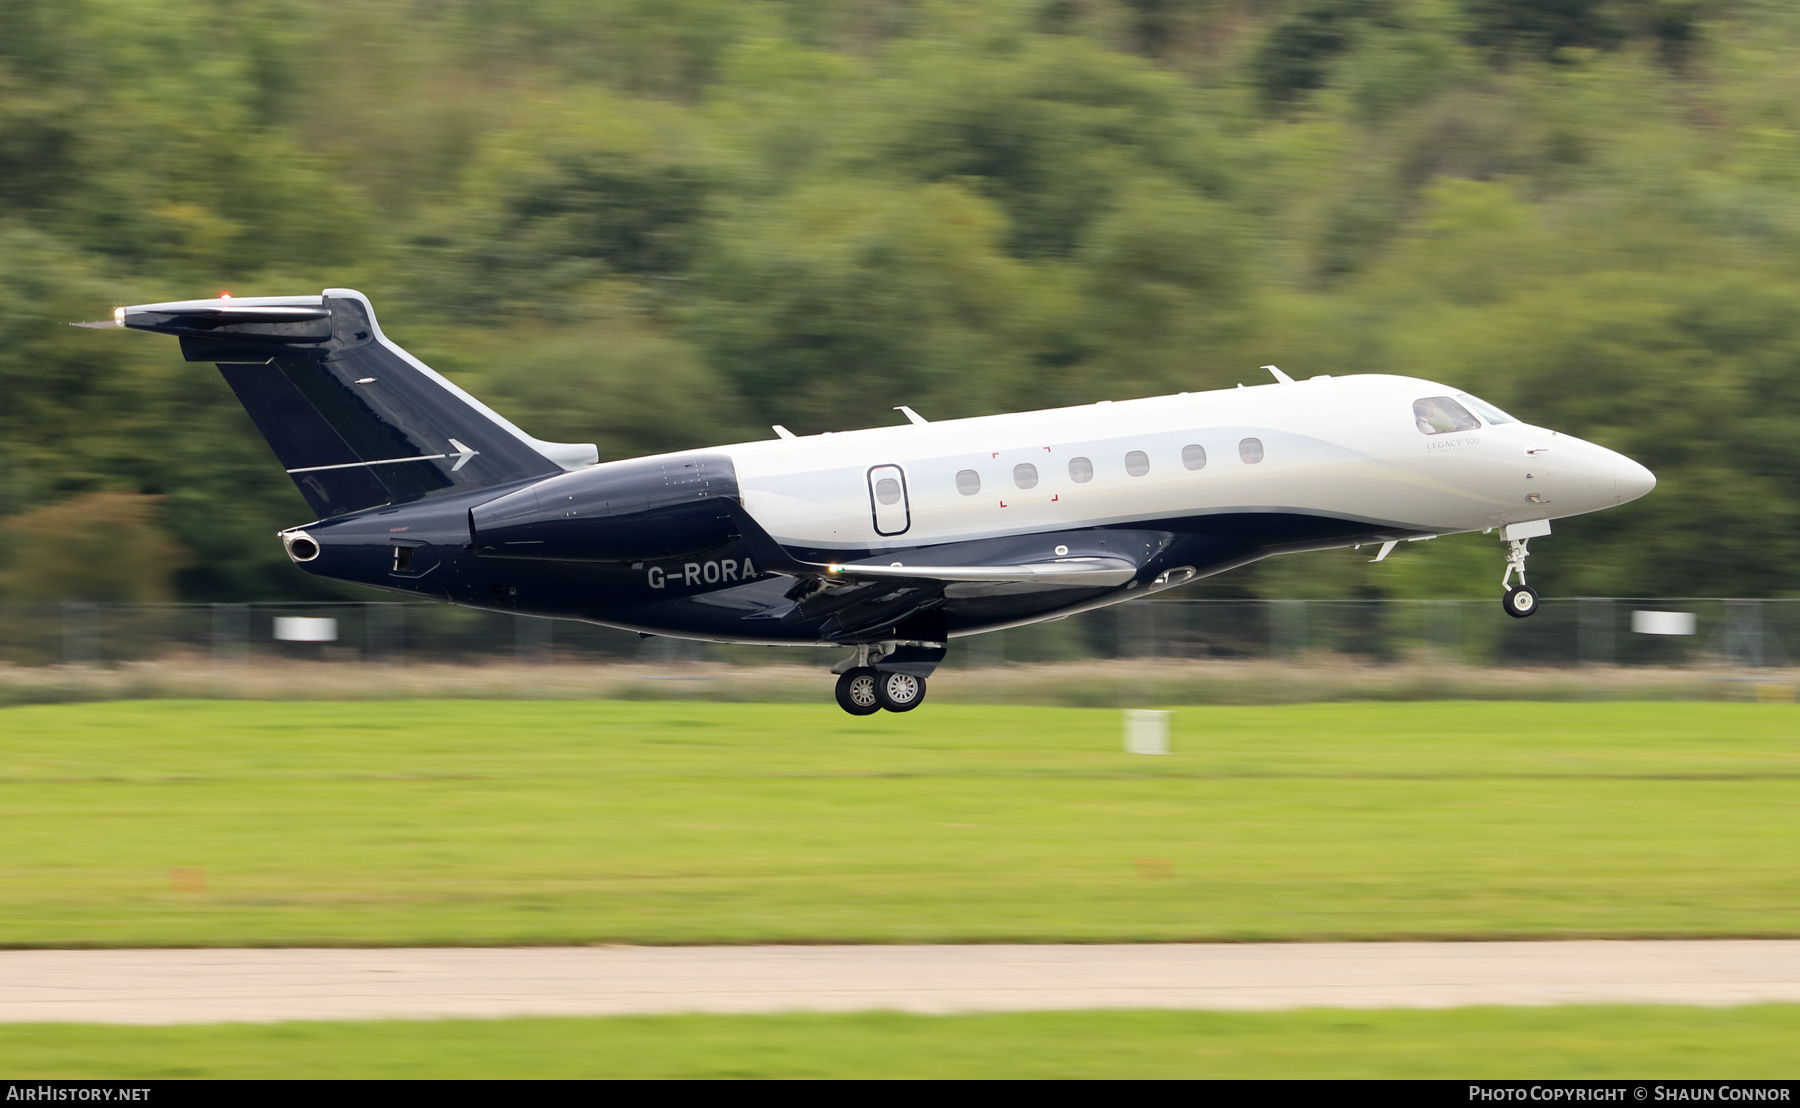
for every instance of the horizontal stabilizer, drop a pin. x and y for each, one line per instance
(210, 312)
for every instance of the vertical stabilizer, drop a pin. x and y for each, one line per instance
(356, 421)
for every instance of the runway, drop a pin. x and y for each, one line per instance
(202, 986)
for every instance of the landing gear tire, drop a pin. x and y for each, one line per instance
(857, 691)
(1520, 601)
(900, 692)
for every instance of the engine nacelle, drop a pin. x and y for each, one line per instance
(616, 512)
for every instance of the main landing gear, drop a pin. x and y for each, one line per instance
(865, 690)
(1519, 600)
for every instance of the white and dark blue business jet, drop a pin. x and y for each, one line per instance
(888, 541)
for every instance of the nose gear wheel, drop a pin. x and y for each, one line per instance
(1520, 601)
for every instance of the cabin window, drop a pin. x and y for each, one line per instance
(968, 482)
(1025, 475)
(1251, 451)
(1137, 463)
(1440, 415)
(1485, 410)
(1193, 456)
(887, 491)
(1081, 471)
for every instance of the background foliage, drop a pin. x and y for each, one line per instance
(657, 225)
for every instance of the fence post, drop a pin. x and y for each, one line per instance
(532, 636)
(1287, 627)
(384, 632)
(1443, 629)
(1744, 632)
(230, 633)
(81, 645)
(1594, 630)
(1135, 627)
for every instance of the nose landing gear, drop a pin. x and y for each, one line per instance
(1519, 600)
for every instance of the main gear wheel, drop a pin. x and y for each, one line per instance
(858, 691)
(900, 692)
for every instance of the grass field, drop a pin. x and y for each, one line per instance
(540, 822)
(1640, 1043)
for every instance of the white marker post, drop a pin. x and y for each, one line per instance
(1662, 623)
(1146, 731)
(305, 629)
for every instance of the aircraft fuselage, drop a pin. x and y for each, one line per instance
(1182, 486)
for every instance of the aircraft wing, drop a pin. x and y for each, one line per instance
(1075, 572)
(1056, 560)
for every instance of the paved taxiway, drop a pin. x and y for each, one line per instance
(185, 986)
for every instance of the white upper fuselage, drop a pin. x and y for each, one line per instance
(1342, 447)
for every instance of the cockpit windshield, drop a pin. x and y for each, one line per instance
(1440, 415)
(1485, 410)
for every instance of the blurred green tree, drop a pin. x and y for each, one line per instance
(100, 546)
(665, 225)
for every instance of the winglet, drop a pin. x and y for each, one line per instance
(1280, 377)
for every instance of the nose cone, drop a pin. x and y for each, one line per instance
(1579, 476)
(1634, 480)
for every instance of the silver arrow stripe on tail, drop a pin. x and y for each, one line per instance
(462, 456)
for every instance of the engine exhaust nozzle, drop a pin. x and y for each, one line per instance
(301, 547)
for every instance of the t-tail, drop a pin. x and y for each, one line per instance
(356, 421)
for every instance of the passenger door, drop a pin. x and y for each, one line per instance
(887, 500)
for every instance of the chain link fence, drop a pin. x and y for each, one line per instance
(1602, 631)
